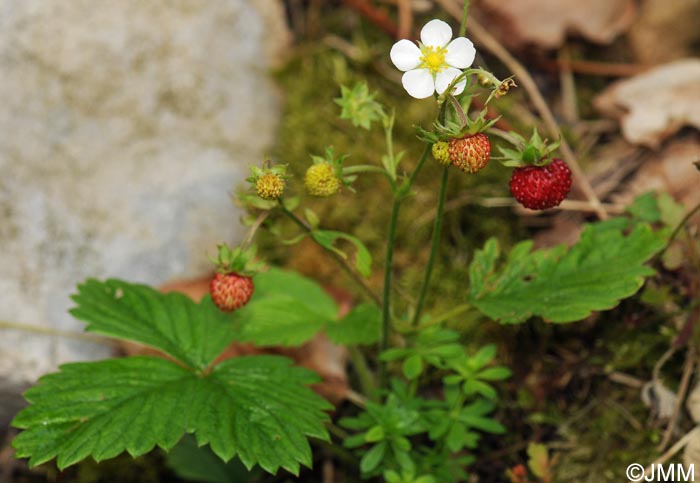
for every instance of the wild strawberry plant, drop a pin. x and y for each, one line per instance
(423, 399)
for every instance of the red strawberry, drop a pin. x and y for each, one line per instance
(541, 187)
(230, 291)
(470, 153)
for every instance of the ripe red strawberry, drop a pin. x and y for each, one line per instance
(230, 291)
(541, 187)
(470, 153)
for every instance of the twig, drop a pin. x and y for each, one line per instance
(596, 68)
(483, 37)
(680, 397)
(569, 101)
(405, 19)
(37, 329)
(379, 17)
(499, 202)
(626, 379)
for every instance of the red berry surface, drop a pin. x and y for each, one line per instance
(541, 187)
(230, 291)
(470, 153)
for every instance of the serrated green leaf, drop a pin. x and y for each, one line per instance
(286, 309)
(327, 238)
(561, 284)
(279, 320)
(195, 334)
(362, 325)
(194, 463)
(256, 407)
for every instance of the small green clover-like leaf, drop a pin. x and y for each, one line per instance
(327, 238)
(190, 332)
(564, 284)
(256, 407)
(362, 325)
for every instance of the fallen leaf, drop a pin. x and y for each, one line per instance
(692, 404)
(665, 30)
(546, 23)
(691, 454)
(671, 171)
(660, 399)
(655, 104)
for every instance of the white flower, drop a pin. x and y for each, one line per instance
(435, 62)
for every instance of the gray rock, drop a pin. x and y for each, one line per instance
(124, 128)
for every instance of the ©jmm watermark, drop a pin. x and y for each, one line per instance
(677, 472)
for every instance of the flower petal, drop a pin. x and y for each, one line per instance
(436, 33)
(419, 83)
(446, 76)
(405, 55)
(460, 53)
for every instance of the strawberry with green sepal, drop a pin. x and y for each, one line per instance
(539, 181)
(232, 285)
(469, 149)
(470, 153)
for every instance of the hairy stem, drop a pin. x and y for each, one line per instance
(434, 243)
(465, 14)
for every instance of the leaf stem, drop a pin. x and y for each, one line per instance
(363, 168)
(341, 262)
(434, 242)
(386, 300)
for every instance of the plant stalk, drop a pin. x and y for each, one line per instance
(434, 243)
(355, 277)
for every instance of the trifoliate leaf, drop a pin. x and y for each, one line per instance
(195, 334)
(362, 325)
(256, 407)
(564, 284)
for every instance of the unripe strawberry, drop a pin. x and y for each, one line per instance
(270, 186)
(230, 291)
(321, 180)
(441, 152)
(470, 153)
(541, 187)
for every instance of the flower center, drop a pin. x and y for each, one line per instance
(433, 59)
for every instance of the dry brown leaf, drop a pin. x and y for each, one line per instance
(546, 22)
(319, 354)
(691, 454)
(655, 104)
(692, 404)
(671, 171)
(665, 30)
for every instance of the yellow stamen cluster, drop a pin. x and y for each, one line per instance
(433, 59)
(320, 180)
(270, 186)
(441, 152)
